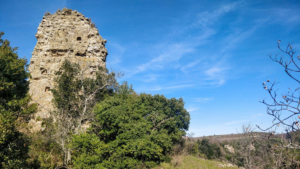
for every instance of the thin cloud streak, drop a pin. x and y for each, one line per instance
(203, 99)
(189, 66)
(208, 18)
(191, 109)
(118, 52)
(174, 51)
(173, 87)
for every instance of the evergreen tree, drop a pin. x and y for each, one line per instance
(134, 130)
(13, 106)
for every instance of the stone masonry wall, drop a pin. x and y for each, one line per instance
(64, 35)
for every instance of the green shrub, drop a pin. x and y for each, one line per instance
(135, 131)
(211, 151)
(196, 149)
(89, 151)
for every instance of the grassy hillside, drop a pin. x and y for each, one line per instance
(191, 162)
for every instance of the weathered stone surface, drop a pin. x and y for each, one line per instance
(64, 35)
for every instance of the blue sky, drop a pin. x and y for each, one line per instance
(213, 54)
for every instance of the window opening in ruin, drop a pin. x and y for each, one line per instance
(81, 54)
(43, 71)
(47, 89)
(32, 62)
(78, 38)
(89, 36)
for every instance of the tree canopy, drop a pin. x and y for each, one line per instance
(134, 129)
(13, 106)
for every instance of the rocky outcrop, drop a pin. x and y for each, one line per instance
(229, 148)
(64, 35)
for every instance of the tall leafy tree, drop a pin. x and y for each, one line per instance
(13, 106)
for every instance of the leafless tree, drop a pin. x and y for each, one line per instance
(285, 107)
(247, 147)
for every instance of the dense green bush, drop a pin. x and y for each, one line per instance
(134, 130)
(89, 151)
(210, 150)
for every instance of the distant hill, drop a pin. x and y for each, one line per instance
(230, 137)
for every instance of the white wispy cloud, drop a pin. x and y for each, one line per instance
(189, 66)
(217, 74)
(170, 53)
(117, 53)
(210, 70)
(150, 78)
(206, 18)
(172, 87)
(173, 51)
(285, 15)
(203, 99)
(238, 36)
(192, 109)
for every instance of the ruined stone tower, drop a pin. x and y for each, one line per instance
(64, 35)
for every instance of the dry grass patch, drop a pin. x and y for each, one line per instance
(192, 162)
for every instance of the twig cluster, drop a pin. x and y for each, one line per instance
(285, 107)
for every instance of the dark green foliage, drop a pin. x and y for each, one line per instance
(44, 151)
(13, 106)
(13, 73)
(67, 88)
(196, 149)
(74, 96)
(89, 151)
(135, 129)
(210, 150)
(72, 88)
(13, 146)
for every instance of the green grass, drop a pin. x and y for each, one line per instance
(191, 162)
